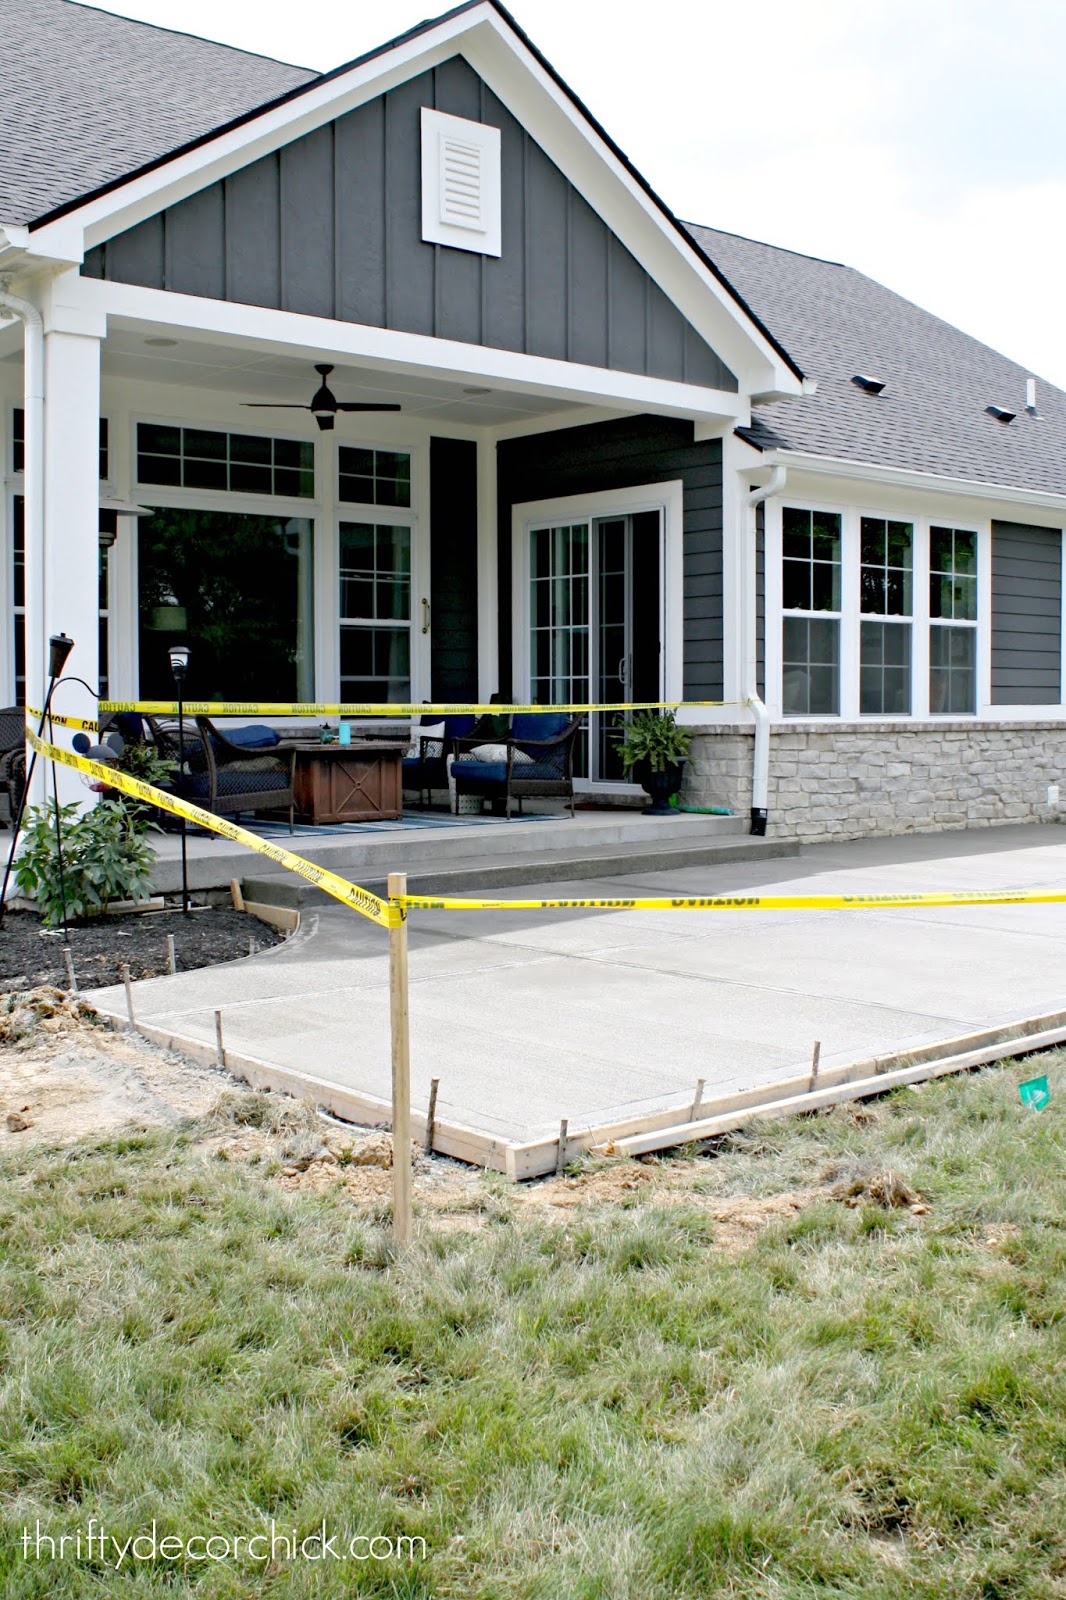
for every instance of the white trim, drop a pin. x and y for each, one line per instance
(666, 498)
(383, 349)
(923, 483)
(488, 602)
(471, 219)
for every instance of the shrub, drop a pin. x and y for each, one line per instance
(106, 856)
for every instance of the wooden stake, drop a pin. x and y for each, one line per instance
(815, 1060)
(220, 1053)
(69, 959)
(129, 991)
(401, 1070)
(236, 895)
(172, 955)
(251, 944)
(431, 1114)
(560, 1160)
(697, 1101)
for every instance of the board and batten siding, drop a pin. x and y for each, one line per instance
(625, 455)
(453, 569)
(331, 226)
(1026, 615)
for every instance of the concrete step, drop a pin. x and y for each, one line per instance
(365, 854)
(465, 876)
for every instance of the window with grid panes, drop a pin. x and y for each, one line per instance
(886, 583)
(237, 463)
(373, 477)
(952, 621)
(375, 612)
(810, 598)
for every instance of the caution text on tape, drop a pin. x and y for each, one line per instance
(369, 905)
(354, 708)
(776, 902)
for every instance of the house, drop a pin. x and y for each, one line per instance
(425, 394)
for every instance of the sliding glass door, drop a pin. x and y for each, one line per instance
(594, 613)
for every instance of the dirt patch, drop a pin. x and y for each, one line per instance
(68, 1077)
(65, 1075)
(31, 955)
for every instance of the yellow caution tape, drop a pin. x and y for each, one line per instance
(353, 708)
(756, 902)
(349, 894)
(84, 724)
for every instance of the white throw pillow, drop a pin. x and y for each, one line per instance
(428, 730)
(498, 752)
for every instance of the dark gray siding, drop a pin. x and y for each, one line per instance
(621, 455)
(1026, 615)
(331, 225)
(453, 571)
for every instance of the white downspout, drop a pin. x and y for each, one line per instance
(33, 467)
(760, 776)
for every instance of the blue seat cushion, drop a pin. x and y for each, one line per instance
(538, 725)
(256, 736)
(480, 772)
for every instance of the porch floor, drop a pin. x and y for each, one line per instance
(527, 1017)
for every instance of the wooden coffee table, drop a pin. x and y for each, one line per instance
(358, 782)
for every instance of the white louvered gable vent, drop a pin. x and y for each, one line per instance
(460, 183)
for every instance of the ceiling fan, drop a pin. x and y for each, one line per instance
(324, 403)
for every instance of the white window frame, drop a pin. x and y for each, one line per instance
(845, 625)
(851, 617)
(666, 498)
(481, 232)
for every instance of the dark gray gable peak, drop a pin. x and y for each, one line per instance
(330, 226)
(87, 97)
(930, 417)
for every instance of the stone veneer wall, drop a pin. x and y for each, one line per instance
(852, 779)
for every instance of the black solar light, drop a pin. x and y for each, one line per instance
(59, 647)
(868, 385)
(179, 666)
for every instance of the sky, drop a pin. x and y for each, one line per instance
(922, 141)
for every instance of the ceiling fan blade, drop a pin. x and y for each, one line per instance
(364, 405)
(275, 405)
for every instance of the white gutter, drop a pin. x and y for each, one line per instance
(33, 455)
(760, 776)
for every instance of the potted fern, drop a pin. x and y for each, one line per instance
(653, 748)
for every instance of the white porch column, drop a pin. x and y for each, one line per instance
(488, 615)
(70, 555)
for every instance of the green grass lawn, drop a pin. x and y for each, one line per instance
(864, 1403)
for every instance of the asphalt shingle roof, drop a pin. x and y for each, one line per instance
(88, 97)
(931, 417)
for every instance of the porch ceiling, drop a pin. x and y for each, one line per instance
(251, 374)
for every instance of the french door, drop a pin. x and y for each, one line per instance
(595, 623)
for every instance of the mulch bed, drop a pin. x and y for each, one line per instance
(29, 956)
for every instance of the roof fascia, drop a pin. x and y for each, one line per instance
(837, 467)
(541, 102)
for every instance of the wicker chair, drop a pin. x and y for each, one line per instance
(12, 762)
(228, 776)
(538, 760)
(428, 770)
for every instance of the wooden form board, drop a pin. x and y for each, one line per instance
(636, 1135)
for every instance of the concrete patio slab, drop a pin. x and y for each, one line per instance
(530, 1016)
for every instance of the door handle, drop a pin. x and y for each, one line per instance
(425, 615)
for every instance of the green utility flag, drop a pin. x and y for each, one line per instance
(1035, 1093)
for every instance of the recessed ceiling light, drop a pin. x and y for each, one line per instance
(477, 391)
(162, 344)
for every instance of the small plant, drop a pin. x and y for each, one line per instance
(106, 857)
(654, 737)
(143, 761)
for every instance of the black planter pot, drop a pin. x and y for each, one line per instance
(659, 786)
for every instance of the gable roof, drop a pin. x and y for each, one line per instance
(88, 97)
(931, 416)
